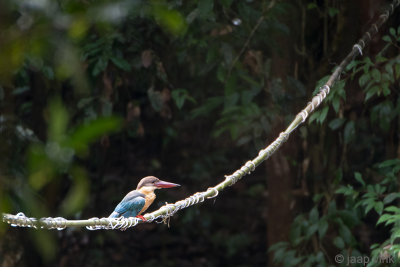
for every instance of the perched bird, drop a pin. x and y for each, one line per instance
(137, 201)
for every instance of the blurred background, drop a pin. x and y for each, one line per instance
(95, 95)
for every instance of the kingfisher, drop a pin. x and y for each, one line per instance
(137, 201)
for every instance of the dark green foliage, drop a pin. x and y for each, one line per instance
(362, 196)
(95, 95)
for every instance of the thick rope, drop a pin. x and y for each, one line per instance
(169, 209)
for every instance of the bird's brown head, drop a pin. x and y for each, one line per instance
(154, 182)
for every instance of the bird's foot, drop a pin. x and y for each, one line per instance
(141, 217)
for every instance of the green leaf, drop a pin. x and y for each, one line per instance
(385, 89)
(87, 133)
(387, 76)
(345, 233)
(312, 6)
(394, 220)
(48, 72)
(209, 106)
(317, 197)
(156, 99)
(248, 95)
(338, 242)
(374, 246)
(367, 64)
(314, 116)
(212, 54)
(349, 217)
(179, 96)
(358, 177)
(371, 92)
(332, 208)
(106, 108)
(228, 52)
(226, 3)
(378, 207)
(77, 197)
(41, 167)
(83, 102)
(323, 115)
(279, 254)
(380, 59)
(205, 8)
(339, 89)
(389, 198)
(397, 70)
(371, 194)
(379, 189)
(386, 38)
(376, 75)
(385, 117)
(388, 163)
(362, 81)
(121, 63)
(322, 228)
(99, 66)
(336, 123)
(192, 17)
(292, 260)
(58, 121)
(314, 215)
(346, 190)
(352, 64)
(278, 245)
(369, 205)
(332, 11)
(392, 32)
(170, 19)
(310, 230)
(349, 132)
(20, 90)
(295, 234)
(336, 104)
(221, 73)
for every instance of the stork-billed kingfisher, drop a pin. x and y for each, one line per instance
(137, 201)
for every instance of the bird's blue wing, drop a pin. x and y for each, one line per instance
(131, 205)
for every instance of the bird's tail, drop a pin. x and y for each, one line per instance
(114, 214)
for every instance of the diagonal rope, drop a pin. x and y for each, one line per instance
(168, 210)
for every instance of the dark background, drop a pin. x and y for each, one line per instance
(95, 95)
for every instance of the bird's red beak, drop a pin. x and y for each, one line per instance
(163, 184)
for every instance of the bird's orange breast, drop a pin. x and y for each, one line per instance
(149, 198)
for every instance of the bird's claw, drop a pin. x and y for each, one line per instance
(141, 217)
